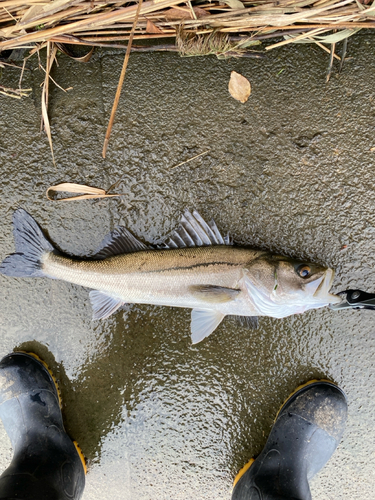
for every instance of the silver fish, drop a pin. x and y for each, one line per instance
(196, 268)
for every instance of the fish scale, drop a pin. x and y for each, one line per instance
(156, 277)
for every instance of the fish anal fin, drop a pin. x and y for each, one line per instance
(103, 305)
(203, 323)
(118, 242)
(213, 293)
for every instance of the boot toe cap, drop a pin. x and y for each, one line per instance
(21, 373)
(322, 404)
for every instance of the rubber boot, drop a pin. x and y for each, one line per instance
(46, 464)
(306, 432)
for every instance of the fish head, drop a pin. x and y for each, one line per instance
(280, 286)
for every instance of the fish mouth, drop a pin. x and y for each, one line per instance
(321, 293)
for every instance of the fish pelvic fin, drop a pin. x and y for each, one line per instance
(31, 245)
(214, 294)
(203, 323)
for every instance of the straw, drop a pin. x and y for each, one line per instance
(121, 81)
(36, 21)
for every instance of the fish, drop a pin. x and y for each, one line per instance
(196, 267)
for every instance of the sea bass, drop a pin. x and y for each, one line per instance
(196, 268)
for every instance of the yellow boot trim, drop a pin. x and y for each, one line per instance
(242, 471)
(310, 382)
(81, 456)
(79, 451)
(49, 371)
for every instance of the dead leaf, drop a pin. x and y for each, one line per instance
(90, 192)
(152, 28)
(33, 11)
(239, 87)
(65, 49)
(185, 13)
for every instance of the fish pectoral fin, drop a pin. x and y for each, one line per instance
(203, 323)
(214, 294)
(103, 305)
(118, 242)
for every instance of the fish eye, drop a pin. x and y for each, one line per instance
(304, 271)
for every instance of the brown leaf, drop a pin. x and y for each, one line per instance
(152, 28)
(34, 10)
(65, 49)
(239, 87)
(90, 192)
(185, 13)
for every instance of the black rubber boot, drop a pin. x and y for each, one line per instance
(46, 465)
(306, 432)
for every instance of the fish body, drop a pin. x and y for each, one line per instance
(164, 277)
(196, 268)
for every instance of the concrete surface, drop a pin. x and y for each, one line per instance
(291, 170)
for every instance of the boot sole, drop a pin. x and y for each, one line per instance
(301, 387)
(35, 356)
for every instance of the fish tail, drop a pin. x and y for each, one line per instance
(31, 245)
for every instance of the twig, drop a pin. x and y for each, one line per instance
(9, 14)
(192, 10)
(21, 75)
(134, 48)
(190, 159)
(57, 85)
(16, 93)
(343, 53)
(51, 53)
(325, 48)
(329, 71)
(2, 64)
(15, 96)
(317, 31)
(121, 81)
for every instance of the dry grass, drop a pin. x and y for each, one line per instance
(106, 22)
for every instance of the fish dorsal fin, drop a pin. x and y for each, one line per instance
(103, 305)
(213, 293)
(118, 242)
(195, 232)
(203, 323)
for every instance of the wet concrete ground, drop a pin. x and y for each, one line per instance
(291, 170)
